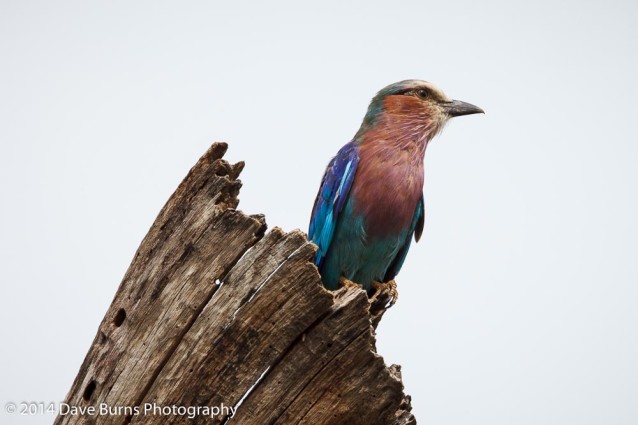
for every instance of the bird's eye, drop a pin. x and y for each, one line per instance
(423, 93)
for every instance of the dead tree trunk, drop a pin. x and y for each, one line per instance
(213, 311)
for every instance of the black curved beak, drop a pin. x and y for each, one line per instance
(456, 108)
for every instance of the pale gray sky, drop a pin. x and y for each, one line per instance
(519, 304)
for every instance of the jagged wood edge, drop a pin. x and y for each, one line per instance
(194, 249)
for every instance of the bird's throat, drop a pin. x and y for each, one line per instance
(404, 132)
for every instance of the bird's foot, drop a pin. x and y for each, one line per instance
(391, 287)
(347, 283)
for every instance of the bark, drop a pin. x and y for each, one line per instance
(214, 311)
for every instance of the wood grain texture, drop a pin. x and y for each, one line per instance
(213, 311)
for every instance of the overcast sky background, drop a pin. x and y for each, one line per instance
(519, 305)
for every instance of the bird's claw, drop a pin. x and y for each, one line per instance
(347, 283)
(391, 287)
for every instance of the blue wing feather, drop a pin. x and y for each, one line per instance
(335, 186)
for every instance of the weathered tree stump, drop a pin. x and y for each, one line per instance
(214, 311)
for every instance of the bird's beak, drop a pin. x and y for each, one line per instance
(456, 108)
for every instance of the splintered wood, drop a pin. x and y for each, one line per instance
(218, 322)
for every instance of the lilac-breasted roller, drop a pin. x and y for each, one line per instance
(370, 203)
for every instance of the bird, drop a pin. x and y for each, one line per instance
(370, 202)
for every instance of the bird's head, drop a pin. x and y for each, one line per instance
(414, 109)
